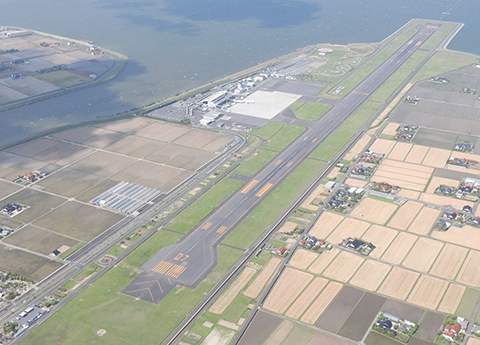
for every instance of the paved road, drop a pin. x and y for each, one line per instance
(189, 261)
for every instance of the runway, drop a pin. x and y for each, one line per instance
(188, 262)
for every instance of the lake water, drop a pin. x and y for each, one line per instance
(175, 45)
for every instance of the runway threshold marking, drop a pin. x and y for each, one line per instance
(147, 289)
(289, 164)
(278, 162)
(206, 225)
(249, 186)
(221, 229)
(265, 189)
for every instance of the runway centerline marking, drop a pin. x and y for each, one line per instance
(194, 246)
(206, 225)
(249, 186)
(265, 188)
(221, 229)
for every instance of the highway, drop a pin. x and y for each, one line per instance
(189, 261)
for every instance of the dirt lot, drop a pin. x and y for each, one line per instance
(162, 131)
(103, 164)
(430, 326)
(39, 203)
(428, 292)
(343, 267)
(325, 224)
(7, 188)
(302, 258)
(279, 335)
(152, 175)
(91, 193)
(398, 283)
(437, 157)
(180, 156)
(391, 128)
(473, 341)
(228, 296)
(410, 194)
(435, 182)
(286, 290)
(381, 237)
(370, 275)
(321, 303)
(449, 261)
(399, 248)
(443, 200)
(424, 221)
(203, 140)
(400, 151)
(417, 154)
(382, 146)
(362, 317)
(79, 221)
(375, 211)
(466, 236)
(39, 240)
(339, 310)
(355, 183)
(306, 298)
(136, 146)
(262, 325)
(11, 165)
(266, 273)
(403, 310)
(28, 265)
(69, 182)
(127, 125)
(359, 147)
(470, 272)
(452, 298)
(323, 261)
(348, 228)
(405, 215)
(423, 254)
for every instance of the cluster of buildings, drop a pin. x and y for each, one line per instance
(469, 187)
(53, 69)
(345, 197)
(464, 147)
(358, 245)
(463, 162)
(412, 99)
(4, 231)
(11, 210)
(361, 170)
(311, 242)
(6, 32)
(438, 79)
(385, 187)
(30, 177)
(371, 157)
(468, 90)
(451, 331)
(406, 132)
(458, 218)
(390, 324)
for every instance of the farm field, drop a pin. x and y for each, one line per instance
(374, 211)
(259, 282)
(428, 292)
(452, 298)
(398, 283)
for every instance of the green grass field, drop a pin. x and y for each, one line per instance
(205, 204)
(467, 303)
(72, 249)
(255, 162)
(263, 216)
(127, 320)
(443, 62)
(309, 111)
(330, 147)
(278, 135)
(62, 78)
